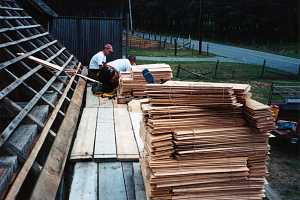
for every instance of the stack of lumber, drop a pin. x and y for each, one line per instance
(133, 84)
(139, 42)
(197, 144)
(259, 116)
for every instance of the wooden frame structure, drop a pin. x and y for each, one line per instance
(25, 88)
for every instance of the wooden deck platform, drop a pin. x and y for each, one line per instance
(106, 153)
(106, 132)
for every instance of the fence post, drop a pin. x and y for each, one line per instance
(192, 49)
(207, 50)
(178, 71)
(175, 43)
(143, 35)
(263, 69)
(149, 36)
(232, 74)
(155, 36)
(216, 69)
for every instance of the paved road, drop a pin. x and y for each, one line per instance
(283, 63)
(186, 59)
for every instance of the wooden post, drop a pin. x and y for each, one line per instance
(232, 73)
(207, 50)
(192, 49)
(217, 66)
(263, 69)
(178, 71)
(127, 32)
(271, 94)
(175, 43)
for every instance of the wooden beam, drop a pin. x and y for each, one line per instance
(10, 8)
(56, 67)
(14, 60)
(49, 180)
(15, 188)
(23, 40)
(2, 30)
(15, 17)
(16, 121)
(20, 80)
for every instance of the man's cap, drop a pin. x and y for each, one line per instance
(109, 47)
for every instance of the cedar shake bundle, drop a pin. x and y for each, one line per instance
(199, 144)
(259, 116)
(133, 84)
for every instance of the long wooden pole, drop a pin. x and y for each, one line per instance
(56, 67)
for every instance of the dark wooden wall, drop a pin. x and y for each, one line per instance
(86, 36)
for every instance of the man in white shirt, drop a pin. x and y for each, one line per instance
(122, 65)
(98, 60)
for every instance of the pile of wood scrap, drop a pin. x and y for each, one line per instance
(133, 84)
(139, 42)
(198, 145)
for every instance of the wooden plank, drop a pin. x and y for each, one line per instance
(84, 184)
(16, 121)
(14, 60)
(84, 143)
(136, 119)
(56, 67)
(111, 181)
(10, 8)
(23, 40)
(91, 99)
(126, 144)
(15, 17)
(2, 30)
(34, 71)
(49, 179)
(138, 182)
(105, 145)
(128, 179)
(106, 103)
(14, 190)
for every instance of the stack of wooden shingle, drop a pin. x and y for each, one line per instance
(139, 42)
(133, 84)
(198, 144)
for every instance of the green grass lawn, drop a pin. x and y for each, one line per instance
(285, 49)
(232, 73)
(167, 53)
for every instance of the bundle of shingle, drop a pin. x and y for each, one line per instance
(198, 144)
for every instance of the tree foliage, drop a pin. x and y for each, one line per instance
(256, 21)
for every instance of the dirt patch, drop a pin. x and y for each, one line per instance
(284, 168)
